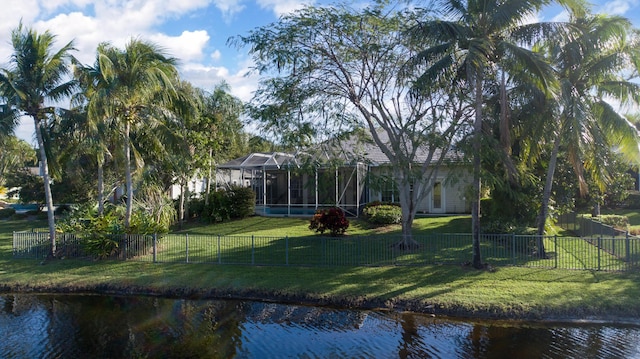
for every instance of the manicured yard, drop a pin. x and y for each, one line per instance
(442, 289)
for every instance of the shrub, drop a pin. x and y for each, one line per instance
(101, 246)
(7, 212)
(219, 206)
(383, 213)
(196, 208)
(330, 219)
(234, 203)
(614, 220)
(242, 202)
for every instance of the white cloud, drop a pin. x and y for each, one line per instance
(282, 7)
(85, 32)
(51, 6)
(617, 7)
(216, 55)
(229, 7)
(206, 77)
(187, 47)
(13, 11)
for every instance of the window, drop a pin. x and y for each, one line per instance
(389, 192)
(437, 195)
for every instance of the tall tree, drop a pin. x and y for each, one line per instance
(592, 66)
(37, 76)
(139, 93)
(480, 40)
(88, 122)
(223, 137)
(331, 70)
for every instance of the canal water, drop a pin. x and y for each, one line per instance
(75, 326)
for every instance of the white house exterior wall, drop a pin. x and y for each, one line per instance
(454, 183)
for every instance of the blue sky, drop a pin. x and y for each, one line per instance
(195, 31)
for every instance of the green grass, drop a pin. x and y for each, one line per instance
(445, 289)
(299, 227)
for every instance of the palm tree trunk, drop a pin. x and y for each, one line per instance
(44, 168)
(475, 201)
(181, 209)
(206, 198)
(546, 195)
(127, 173)
(100, 188)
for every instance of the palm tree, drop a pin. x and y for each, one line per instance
(138, 91)
(220, 115)
(37, 75)
(477, 39)
(95, 130)
(591, 67)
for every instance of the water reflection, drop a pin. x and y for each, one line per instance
(142, 327)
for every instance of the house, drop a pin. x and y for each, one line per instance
(348, 175)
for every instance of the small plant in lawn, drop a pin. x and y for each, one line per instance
(330, 219)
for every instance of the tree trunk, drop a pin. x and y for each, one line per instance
(477, 185)
(100, 188)
(408, 207)
(206, 198)
(127, 173)
(546, 195)
(596, 210)
(44, 168)
(181, 207)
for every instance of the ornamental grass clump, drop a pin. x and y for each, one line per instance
(330, 219)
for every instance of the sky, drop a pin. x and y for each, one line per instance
(194, 31)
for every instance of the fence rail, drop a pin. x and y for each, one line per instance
(585, 226)
(611, 253)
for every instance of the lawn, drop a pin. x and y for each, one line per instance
(442, 289)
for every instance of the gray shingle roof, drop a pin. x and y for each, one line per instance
(347, 151)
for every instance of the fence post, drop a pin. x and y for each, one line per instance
(513, 247)
(186, 244)
(286, 249)
(555, 249)
(219, 254)
(126, 243)
(599, 250)
(253, 252)
(155, 247)
(627, 250)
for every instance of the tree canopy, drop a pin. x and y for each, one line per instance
(332, 70)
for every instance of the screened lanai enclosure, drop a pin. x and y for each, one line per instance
(296, 184)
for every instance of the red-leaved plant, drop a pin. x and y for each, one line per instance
(329, 219)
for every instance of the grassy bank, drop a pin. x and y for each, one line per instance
(506, 292)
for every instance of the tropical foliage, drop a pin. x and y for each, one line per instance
(535, 109)
(35, 77)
